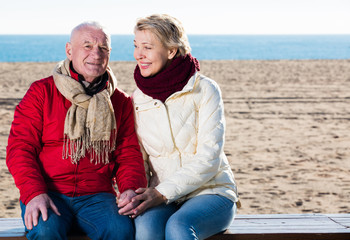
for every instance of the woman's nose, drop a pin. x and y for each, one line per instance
(138, 54)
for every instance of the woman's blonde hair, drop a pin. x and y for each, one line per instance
(168, 30)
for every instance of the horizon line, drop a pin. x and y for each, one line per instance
(189, 34)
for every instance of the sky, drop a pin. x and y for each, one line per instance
(197, 16)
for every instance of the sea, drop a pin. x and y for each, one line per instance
(51, 48)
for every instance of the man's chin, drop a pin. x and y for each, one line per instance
(96, 72)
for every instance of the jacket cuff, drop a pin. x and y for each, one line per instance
(26, 199)
(170, 197)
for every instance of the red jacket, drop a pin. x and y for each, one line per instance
(34, 151)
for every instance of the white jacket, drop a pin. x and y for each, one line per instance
(184, 141)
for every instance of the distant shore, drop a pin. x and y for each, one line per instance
(287, 137)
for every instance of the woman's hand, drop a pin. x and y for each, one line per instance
(149, 197)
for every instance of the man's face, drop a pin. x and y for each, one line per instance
(89, 50)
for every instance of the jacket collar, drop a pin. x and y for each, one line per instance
(188, 87)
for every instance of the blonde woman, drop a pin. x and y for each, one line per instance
(181, 127)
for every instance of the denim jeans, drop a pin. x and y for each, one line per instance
(95, 215)
(198, 218)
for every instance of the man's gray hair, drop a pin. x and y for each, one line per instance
(93, 24)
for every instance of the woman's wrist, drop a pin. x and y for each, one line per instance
(164, 198)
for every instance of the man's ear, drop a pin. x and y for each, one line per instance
(69, 50)
(171, 53)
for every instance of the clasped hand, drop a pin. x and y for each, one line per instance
(143, 199)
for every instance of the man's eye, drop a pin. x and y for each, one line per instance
(105, 49)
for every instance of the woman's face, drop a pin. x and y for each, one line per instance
(150, 54)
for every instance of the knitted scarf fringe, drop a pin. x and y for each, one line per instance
(99, 150)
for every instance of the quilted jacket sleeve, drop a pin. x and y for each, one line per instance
(210, 141)
(24, 144)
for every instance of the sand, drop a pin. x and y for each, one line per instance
(287, 137)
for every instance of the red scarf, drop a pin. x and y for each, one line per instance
(168, 81)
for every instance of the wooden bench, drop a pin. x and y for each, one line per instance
(246, 227)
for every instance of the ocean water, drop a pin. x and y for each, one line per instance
(51, 48)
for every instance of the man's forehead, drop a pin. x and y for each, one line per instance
(90, 35)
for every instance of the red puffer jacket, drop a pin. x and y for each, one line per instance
(34, 151)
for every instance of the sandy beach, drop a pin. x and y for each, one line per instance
(287, 138)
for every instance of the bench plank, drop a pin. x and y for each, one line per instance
(11, 227)
(288, 227)
(246, 227)
(245, 224)
(281, 236)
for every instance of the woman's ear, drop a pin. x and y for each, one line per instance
(172, 53)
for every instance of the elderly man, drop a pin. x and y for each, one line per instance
(73, 137)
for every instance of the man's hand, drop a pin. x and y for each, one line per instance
(37, 205)
(149, 197)
(124, 202)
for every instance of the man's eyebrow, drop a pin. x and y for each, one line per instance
(89, 42)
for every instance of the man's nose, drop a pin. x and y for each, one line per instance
(97, 52)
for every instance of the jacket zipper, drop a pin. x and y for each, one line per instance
(75, 178)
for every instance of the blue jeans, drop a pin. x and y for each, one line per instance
(198, 218)
(95, 215)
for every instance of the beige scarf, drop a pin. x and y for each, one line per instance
(90, 122)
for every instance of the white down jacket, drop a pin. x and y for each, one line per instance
(183, 139)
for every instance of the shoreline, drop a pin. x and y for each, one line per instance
(287, 124)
